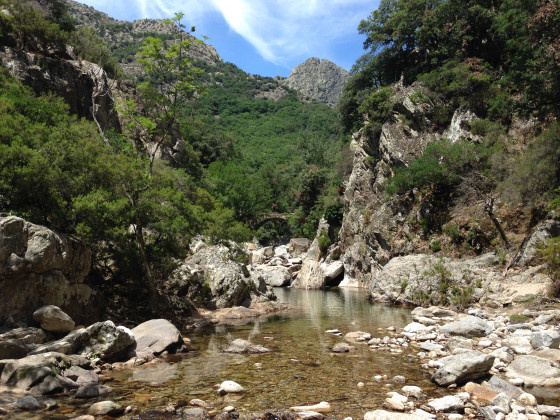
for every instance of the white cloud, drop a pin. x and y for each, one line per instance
(278, 29)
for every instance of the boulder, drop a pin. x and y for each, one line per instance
(519, 344)
(529, 249)
(282, 252)
(463, 367)
(53, 319)
(13, 349)
(546, 338)
(243, 346)
(274, 276)
(311, 276)
(225, 281)
(534, 371)
(333, 270)
(470, 326)
(156, 336)
(498, 385)
(28, 403)
(46, 268)
(342, 348)
(101, 340)
(298, 246)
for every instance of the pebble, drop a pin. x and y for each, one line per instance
(527, 399)
(228, 409)
(361, 384)
(322, 407)
(230, 387)
(195, 402)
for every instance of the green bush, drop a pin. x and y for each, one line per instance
(550, 255)
(324, 242)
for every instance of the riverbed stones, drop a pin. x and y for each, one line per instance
(322, 407)
(243, 346)
(519, 344)
(463, 367)
(498, 385)
(53, 319)
(358, 336)
(534, 371)
(447, 403)
(458, 342)
(387, 415)
(342, 348)
(230, 387)
(469, 326)
(547, 338)
(156, 336)
(28, 403)
(105, 408)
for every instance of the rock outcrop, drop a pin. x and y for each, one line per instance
(39, 267)
(84, 86)
(321, 80)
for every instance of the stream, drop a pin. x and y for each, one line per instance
(300, 370)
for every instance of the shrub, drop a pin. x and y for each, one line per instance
(550, 255)
(324, 242)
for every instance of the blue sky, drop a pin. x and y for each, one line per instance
(266, 37)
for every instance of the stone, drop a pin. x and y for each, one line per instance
(394, 404)
(463, 367)
(527, 399)
(447, 403)
(333, 270)
(322, 407)
(198, 403)
(92, 391)
(358, 336)
(502, 401)
(81, 376)
(28, 403)
(105, 408)
(470, 326)
(53, 319)
(547, 338)
(534, 371)
(309, 415)
(387, 415)
(243, 346)
(498, 385)
(529, 250)
(429, 346)
(342, 348)
(156, 336)
(298, 246)
(519, 344)
(480, 392)
(46, 268)
(413, 391)
(13, 349)
(230, 387)
(53, 384)
(196, 413)
(548, 410)
(275, 276)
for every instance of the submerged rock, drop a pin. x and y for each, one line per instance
(243, 346)
(105, 408)
(230, 387)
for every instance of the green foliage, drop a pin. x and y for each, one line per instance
(441, 164)
(435, 245)
(324, 242)
(377, 106)
(452, 231)
(550, 255)
(90, 47)
(535, 174)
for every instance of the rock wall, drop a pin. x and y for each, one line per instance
(373, 228)
(39, 267)
(84, 86)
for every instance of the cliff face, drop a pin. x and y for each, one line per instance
(84, 86)
(321, 80)
(375, 228)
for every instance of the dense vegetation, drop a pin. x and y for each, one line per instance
(497, 58)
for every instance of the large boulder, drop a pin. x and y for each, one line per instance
(39, 374)
(15, 344)
(101, 340)
(298, 246)
(463, 367)
(529, 249)
(53, 319)
(534, 370)
(156, 336)
(274, 276)
(220, 279)
(47, 269)
(470, 326)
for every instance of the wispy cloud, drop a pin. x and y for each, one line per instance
(278, 29)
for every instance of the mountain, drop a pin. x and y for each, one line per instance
(320, 80)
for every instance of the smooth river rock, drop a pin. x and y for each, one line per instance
(243, 346)
(534, 370)
(230, 387)
(156, 336)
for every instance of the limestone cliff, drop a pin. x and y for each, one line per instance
(321, 80)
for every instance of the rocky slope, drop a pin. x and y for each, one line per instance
(320, 80)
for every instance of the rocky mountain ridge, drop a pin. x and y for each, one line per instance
(320, 80)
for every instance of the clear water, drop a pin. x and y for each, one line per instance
(300, 370)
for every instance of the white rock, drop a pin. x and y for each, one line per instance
(230, 387)
(322, 407)
(527, 399)
(447, 403)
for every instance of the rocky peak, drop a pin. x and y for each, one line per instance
(321, 80)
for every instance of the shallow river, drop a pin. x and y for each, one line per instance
(300, 370)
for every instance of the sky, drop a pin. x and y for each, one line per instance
(265, 37)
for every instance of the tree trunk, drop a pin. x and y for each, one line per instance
(489, 209)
